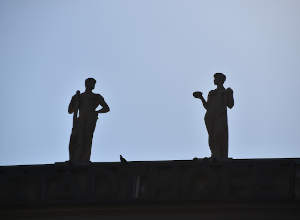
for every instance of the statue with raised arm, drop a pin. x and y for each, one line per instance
(216, 116)
(83, 106)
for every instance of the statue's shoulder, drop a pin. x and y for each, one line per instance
(229, 91)
(99, 96)
(212, 92)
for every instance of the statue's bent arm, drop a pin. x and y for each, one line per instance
(230, 100)
(104, 105)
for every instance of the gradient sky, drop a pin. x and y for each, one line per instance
(148, 57)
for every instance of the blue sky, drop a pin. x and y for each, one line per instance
(148, 57)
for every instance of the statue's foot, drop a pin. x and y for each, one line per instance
(212, 158)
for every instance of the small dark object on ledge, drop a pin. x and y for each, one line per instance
(122, 159)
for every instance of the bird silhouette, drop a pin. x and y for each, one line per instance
(122, 159)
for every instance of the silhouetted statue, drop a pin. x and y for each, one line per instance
(84, 126)
(216, 116)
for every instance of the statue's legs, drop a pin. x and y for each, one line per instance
(219, 139)
(73, 144)
(88, 132)
(212, 146)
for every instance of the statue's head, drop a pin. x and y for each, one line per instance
(90, 83)
(219, 78)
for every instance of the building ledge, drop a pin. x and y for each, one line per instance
(148, 182)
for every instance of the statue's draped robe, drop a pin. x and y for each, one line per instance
(216, 121)
(84, 126)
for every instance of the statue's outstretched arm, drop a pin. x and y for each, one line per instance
(204, 102)
(199, 95)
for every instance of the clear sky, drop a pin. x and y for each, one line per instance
(148, 57)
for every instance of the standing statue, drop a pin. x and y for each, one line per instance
(84, 126)
(216, 116)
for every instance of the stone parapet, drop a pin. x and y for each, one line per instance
(153, 181)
